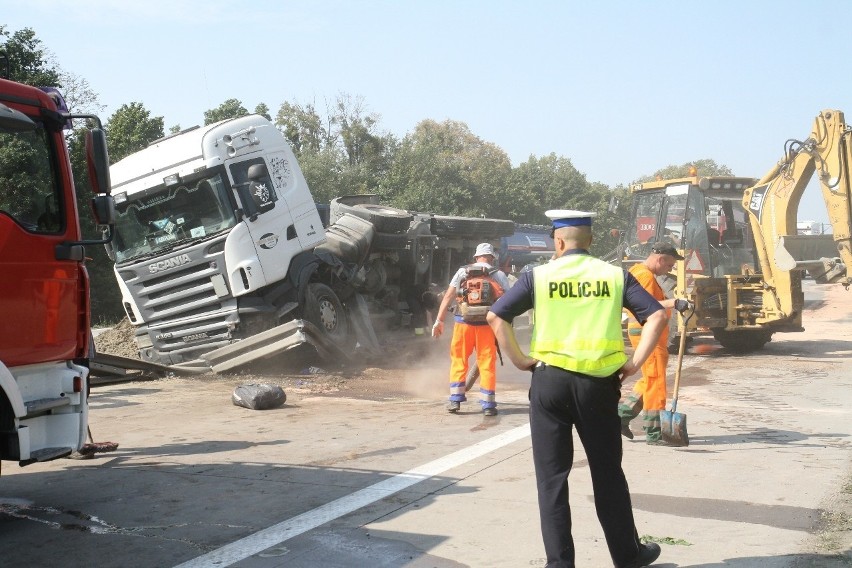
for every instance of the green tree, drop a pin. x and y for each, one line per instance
(444, 168)
(78, 94)
(131, 129)
(704, 167)
(232, 108)
(263, 111)
(303, 127)
(341, 152)
(357, 130)
(28, 61)
(315, 144)
(552, 182)
(324, 172)
(368, 152)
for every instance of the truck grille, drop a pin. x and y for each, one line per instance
(183, 313)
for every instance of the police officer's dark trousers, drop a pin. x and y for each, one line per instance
(560, 400)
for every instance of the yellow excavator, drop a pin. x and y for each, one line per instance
(743, 259)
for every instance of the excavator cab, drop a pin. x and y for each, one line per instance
(702, 217)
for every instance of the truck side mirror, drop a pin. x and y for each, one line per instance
(103, 207)
(97, 160)
(256, 172)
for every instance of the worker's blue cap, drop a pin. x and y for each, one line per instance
(570, 218)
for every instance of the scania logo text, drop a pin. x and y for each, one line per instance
(194, 337)
(168, 263)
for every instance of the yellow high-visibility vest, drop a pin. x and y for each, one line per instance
(578, 302)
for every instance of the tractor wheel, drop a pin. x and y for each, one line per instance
(742, 341)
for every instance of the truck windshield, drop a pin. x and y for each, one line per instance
(168, 216)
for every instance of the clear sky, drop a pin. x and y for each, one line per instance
(620, 87)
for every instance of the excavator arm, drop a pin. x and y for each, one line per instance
(773, 205)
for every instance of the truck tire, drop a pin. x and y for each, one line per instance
(422, 248)
(385, 219)
(742, 341)
(497, 228)
(446, 226)
(324, 310)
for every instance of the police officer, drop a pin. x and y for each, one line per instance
(578, 362)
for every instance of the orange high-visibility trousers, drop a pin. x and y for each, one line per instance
(652, 386)
(466, 338)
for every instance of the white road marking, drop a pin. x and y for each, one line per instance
(285, 530)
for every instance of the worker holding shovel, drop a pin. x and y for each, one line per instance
(649, 392)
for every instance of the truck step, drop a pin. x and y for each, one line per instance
(46, 454)
(44, 404)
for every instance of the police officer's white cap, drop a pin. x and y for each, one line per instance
(570, 218)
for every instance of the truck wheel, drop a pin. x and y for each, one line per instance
(384, 219)
(742, 341)
(455, 226)
(421, 246)
(502, 228)
(324, 310)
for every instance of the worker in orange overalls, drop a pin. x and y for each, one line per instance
(649, 392)
(472, 335)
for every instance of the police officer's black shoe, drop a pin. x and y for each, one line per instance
(626, 432)
(648, 553)
(453, 406)
(489, 411)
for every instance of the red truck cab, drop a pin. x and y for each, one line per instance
(44, 287)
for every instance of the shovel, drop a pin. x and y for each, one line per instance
(673, 423)
(472, 376)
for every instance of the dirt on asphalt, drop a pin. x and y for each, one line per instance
(418, 368)
(406, 367)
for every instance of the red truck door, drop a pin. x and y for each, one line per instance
(43, 297)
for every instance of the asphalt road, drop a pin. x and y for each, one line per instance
(372, 471)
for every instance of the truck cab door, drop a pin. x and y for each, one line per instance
(43, 293)
(277, 223)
